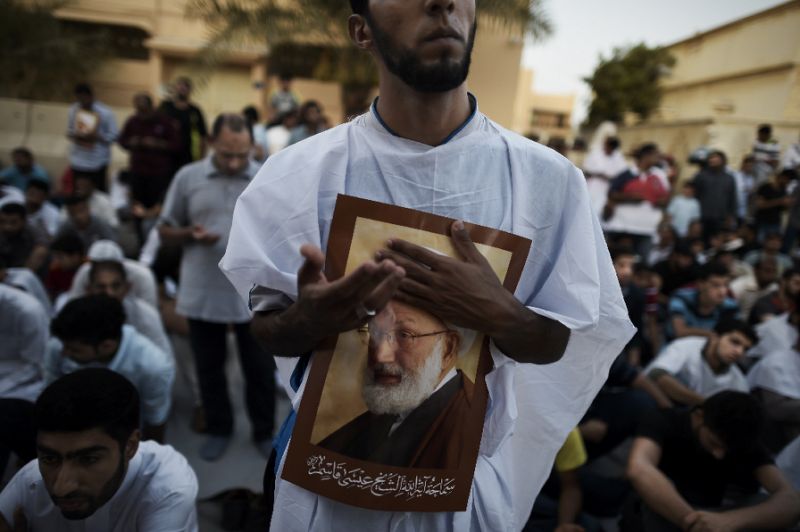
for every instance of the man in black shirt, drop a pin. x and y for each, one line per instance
(772, 199)
(683, 461)
(192, 123)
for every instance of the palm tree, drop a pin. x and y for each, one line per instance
(308, 38)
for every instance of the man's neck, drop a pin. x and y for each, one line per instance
(428, 118)
(703, 305)
(713, 362)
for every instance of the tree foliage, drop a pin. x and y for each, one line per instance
(40, 58)
(626, 82)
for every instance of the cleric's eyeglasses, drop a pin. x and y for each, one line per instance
(402, 338)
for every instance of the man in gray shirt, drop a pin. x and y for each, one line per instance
(197, 214)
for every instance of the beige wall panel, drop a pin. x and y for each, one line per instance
(493, 75)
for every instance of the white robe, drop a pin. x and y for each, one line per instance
(485, 175)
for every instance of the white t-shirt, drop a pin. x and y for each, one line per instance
(486, 175)
(684, 360)
(777, 372)
(775, 334)
(157, 495)
(24, 330)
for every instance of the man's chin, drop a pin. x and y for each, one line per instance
(76, 512)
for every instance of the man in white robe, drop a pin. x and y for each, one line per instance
(426, 146)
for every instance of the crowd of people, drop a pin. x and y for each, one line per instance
(701, 404)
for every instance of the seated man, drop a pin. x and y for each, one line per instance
(80, 220)
(23, 334)
(683, 461)
(23, 170)
(92, 472)
(67, 254)
(25, 280)
(748, 289)
(693, 368)
(142, 279)
(41, 213)
(108, 277)
(91, 331)
(417, 401)
(775, 381)
(778, 301)
(25, 246)
(695, 311)
(100, 205)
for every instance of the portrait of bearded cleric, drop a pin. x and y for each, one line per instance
(416, 397)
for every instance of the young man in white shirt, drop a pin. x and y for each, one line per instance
(693, 368)
(92, 473)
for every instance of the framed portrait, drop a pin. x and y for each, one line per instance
(86, 122)
(392, 414)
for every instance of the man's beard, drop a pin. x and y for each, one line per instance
(414, 387)
(444, 75)
(94, 503)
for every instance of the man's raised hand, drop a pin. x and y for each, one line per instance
(331, 307)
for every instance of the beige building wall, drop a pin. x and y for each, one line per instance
(727, 81)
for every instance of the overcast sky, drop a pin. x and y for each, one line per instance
(586, 29)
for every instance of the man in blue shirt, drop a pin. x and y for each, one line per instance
(23, 170)
(92, 128)
(695, 311)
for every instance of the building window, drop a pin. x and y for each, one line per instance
(125, 42)
(548, 119)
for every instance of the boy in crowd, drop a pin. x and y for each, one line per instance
(67, 254)
(683, 461)
(93, 471)
(92, 332)
(695, 311)
(693, 368)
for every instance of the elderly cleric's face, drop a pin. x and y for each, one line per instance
(409, 352)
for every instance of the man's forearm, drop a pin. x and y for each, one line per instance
(642, 382)
(659, 494)
(677, 392)
(285, 333)
(525, 336)
(175, 236)
(781, 510)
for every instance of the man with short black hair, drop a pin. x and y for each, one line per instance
(93, 473)
(695, 367)
(778, 301)
(24, 245)
(110, 278)
(190, 121)
(91, 331)
(715, 189)
(41, 213)
(197, 215)
(695, 311)
(683, 461)
(23, 170)
(82, 222)
(92, 128)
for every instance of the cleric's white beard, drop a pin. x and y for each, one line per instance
(414, 386)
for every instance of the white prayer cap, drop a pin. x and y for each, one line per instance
(106, 250)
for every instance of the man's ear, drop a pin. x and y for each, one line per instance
(451, 345)
(360, 32)
(132, 445)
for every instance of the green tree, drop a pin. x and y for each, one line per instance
(41, 58)
(308, 38)
(628, 81)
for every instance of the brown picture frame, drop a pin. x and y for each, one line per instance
(368, 484)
